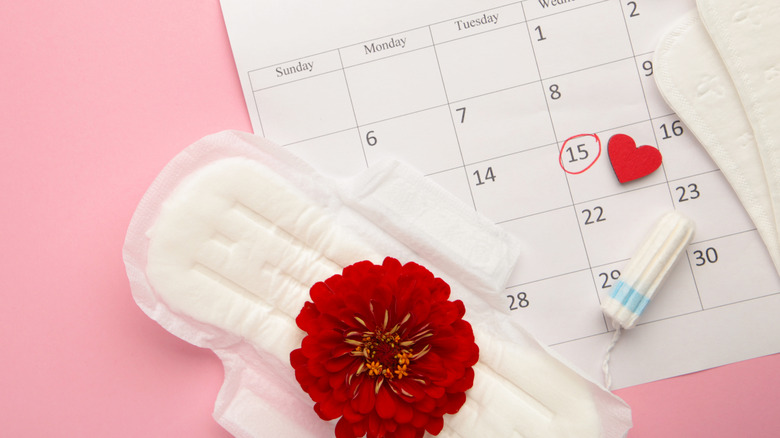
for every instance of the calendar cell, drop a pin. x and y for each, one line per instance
(296, 70)
(519, 185)
(554, 241)
(291, 112)
(559, 50)
(614, 227)
(425, 140)
(706, 198)
(475, 24)
(344, 144)
(596, 99)
(395, 86)
(391, 45)
(482, 64)
(558, 309)
(676, 296)
(647, 24)
(683, 155)
(502, 123)
(732, 269)
(600, 181)
(655, 103)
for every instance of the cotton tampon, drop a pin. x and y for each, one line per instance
(646, 270)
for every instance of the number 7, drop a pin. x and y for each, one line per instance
(463, 114)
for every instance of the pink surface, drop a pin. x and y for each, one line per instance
(95, 98)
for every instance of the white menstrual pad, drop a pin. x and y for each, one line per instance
(746, 34)
(695, 83)
(226, 243)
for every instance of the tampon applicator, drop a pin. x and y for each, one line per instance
(644, 273)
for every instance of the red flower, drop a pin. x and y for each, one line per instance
(385, 350)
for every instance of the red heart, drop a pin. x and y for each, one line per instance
(630, 162)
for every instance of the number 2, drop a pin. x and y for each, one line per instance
(633, 13)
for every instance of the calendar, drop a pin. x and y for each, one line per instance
(510, 106)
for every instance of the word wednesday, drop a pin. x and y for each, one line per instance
(378, 47)
(301, 66)
(546, 3)
(485, 19)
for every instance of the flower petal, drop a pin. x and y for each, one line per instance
(344, 429)
(434, 425)
(385, 404)
(365, 400)
(328, 410)
(403, 413)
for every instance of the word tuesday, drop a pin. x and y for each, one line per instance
(485, 19)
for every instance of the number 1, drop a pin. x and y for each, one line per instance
(541, 36)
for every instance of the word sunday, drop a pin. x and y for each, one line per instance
(293, 69)
(484, 19)
(378, 47)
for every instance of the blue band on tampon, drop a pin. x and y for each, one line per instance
(629, 297)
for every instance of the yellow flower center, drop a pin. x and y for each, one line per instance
(384, 354)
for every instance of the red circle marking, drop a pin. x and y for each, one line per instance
(563, 147)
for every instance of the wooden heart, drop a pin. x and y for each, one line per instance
(630, 162)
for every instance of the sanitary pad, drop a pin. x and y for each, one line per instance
(694, 80)
(747, 35)
(225, 245)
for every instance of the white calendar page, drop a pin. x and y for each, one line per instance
(504, 104)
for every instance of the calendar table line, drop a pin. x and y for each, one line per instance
(542, 78)
(713, 239)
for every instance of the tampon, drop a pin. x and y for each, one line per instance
(639, 281)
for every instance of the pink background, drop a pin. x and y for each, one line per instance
(95, 98)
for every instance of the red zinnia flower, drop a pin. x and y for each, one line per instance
(385, 350)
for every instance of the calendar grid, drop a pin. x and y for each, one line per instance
(463, 164)
(588, 273)
(480, 103)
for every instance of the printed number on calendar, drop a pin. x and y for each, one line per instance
(593, 215)
(519, 301)
(688, 193)
(705, 257)
(675, 130)
(487, 176)
(609, 279)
